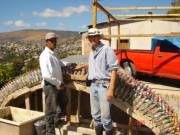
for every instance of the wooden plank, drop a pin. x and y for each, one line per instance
(145, 35)
(149, 19)
(77, 77)
(148, 15)
(76, 86)
(143, 8)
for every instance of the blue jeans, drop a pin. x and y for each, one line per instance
(100, 107)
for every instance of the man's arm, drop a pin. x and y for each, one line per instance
(113, 65)
(112, 85)
(47, 70)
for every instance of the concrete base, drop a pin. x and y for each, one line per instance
(17, 121)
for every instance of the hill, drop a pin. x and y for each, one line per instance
(34, 35)
(20, 50)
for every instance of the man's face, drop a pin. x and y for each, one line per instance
(51, 43)
(94, 41)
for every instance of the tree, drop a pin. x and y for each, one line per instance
(175, 3)
(6, 73)
(31, 65)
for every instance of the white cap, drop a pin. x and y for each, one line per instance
(50, 35)
(93, 32)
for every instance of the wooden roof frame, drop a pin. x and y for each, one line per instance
(134, 17)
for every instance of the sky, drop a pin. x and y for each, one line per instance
(70, 15)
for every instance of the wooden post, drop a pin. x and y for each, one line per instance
(130, 126)
(119, 39)
(109, 28)
(43, 101)
(94, 13)
(27, 101)
(36, 100)
(68, 92)
(78, 106)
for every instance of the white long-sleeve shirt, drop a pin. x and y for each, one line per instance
(51, 68)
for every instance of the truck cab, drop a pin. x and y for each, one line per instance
(167, 58)
(162, 60)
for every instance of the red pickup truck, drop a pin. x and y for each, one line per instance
(162, 60)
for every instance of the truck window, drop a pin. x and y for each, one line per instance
(124, 44)
(168, 47)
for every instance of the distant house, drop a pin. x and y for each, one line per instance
(134, 27)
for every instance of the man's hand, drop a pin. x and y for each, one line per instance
(110, 93)
(80, 66)
(61, 87)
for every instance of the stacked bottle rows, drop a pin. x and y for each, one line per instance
(135, 93)
(147, 102)
(26, 80)
(32, 78)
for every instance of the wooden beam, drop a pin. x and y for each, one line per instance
(142, 8)
(105, 11)
(145, 35)
(142, 15)
(148, 19)
(109, 28)
(94, 13)
(27, 101)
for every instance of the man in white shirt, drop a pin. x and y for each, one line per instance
(52, 81)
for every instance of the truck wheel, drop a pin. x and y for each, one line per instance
(129, 68)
